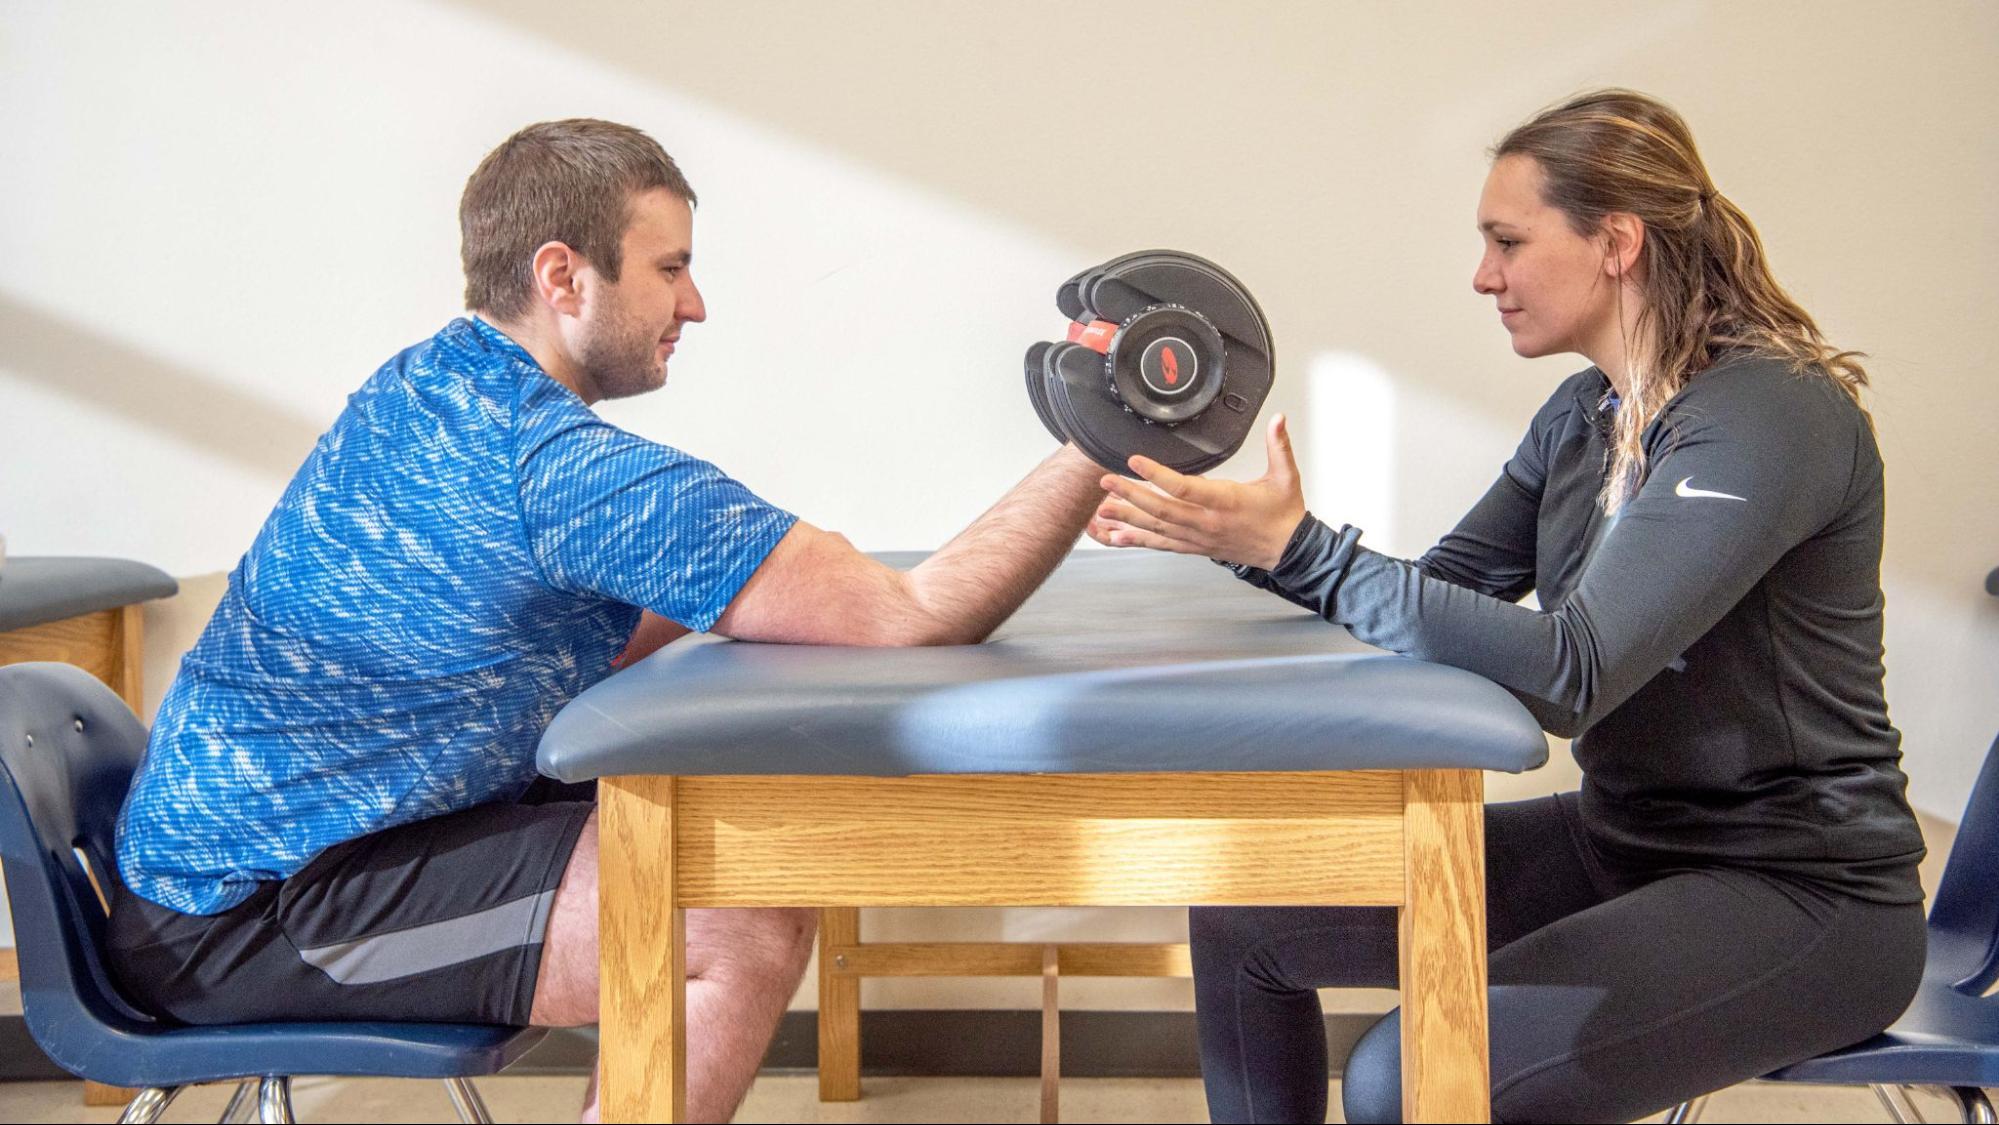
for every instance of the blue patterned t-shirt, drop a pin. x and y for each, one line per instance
(463, 552)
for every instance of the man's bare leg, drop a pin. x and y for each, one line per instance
(742, 968)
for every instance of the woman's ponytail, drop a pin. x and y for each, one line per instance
(1707, 285)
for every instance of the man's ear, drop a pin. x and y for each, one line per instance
(1623, 242)
(558, 274)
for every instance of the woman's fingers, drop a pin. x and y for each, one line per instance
(1155, 503)
(1131, 515)
(1175, 484)
(1112, 533)
(1277, 447)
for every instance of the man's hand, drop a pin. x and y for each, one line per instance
(1240, 522)
(654, 633)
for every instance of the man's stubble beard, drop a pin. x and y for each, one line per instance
(620, 357)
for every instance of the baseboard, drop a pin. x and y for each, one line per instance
(979, 1044)
(894, 1043)
(20, 1059)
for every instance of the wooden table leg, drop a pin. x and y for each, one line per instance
(1051, 1036)
(128, 659)
(839, 1008)
(642, 999)
(1446, 1066)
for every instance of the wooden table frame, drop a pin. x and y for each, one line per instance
(108, 644)
(845, 959)
(1413, 840)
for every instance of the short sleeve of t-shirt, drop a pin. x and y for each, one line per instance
(609, 513)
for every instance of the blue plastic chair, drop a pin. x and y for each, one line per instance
(1949, 1038)
(68, 746)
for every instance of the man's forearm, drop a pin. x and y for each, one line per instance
(976, 581)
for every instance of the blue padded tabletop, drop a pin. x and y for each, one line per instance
(1124, 662)
(35, 590)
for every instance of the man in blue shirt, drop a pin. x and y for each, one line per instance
(338, 814)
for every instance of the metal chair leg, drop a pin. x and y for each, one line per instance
(1687, 1112)
(147, 1106)
(466, 1100)
(1895, 1099)
(274, 1100)
(1975, 1106)
(237, 1101)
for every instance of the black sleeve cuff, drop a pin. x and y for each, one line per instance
(1256, 575)
(1310, 570)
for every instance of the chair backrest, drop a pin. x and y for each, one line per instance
(68, 746)
(1964, 919)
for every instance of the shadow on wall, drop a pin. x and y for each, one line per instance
(1193, 127)
(72, 360)
(1081, 122)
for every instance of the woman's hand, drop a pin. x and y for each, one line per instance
(1235, 521)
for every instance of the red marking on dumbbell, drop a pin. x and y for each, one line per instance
(1095, 335)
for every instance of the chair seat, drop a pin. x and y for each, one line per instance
(182, 1055)
(1945, 1038)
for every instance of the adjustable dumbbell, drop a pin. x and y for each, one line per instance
(1166, 355)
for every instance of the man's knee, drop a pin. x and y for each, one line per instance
(764, 944)
(791, 933)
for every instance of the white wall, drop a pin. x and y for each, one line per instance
(217, 219)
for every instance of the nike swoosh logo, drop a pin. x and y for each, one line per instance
(1681, 489)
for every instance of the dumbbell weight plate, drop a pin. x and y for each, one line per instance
(1124, 401)
(1104, 429)
(1037, 389)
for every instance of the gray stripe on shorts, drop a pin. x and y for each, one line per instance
(434, 945)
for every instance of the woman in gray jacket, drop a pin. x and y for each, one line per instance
(1700, 511)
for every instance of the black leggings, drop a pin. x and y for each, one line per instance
(1614, 994)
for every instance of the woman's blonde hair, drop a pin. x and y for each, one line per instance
(1707, 283)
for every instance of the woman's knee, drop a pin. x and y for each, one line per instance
(1292, 949)
(1371, 1082)
(1212, 933)
(1223, 942)
(1223, 937)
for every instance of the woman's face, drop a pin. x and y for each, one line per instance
(1553, 287)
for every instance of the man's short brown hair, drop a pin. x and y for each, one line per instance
(559, 181)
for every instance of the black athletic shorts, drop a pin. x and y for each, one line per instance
(437, 921)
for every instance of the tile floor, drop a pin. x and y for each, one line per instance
(794, 1098)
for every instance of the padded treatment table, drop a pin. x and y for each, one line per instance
(1147, 730)
(79, 611)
